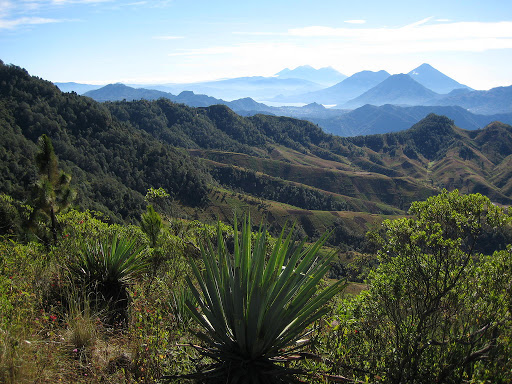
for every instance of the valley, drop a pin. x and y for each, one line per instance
(260, 161)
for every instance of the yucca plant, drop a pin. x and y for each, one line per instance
(254, 307)
(106, 268)
(178, 305)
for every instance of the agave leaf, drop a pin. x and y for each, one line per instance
(310, 313)
(250, 308)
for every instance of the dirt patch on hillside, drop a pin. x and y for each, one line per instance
(299, 212)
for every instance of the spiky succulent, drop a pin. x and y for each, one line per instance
(253, 307)
(106, 268)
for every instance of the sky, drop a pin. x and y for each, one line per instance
(177, 41)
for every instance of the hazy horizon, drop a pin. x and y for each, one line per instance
(178, 41)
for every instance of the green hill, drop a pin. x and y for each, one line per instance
(112, 163)
(214, 162)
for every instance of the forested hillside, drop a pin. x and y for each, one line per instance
(112, 164)
(116, 151)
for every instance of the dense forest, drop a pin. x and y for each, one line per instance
(111, 163)
(149, 242)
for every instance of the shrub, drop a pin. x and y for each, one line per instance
(253, 308)
(106, 268)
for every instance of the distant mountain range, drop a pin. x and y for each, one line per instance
(303, 84)
(364, 103)
(342, 92)
(365, 120)
(396, 89)
(434, 80)
(300, 85)
(325, 76)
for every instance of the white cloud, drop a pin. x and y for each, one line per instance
(424, 34)
(355, 21)
(31, 6)
(16, 13)
(20, 13)
(349, 49)
(256, 33)
(5, 6)
(420, 22)
(63, 2)
(14, 23)
(161, 3)
(412, 38)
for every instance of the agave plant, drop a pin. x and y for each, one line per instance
(254, 307)
(107, 267)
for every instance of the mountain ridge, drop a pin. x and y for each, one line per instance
(343, 91)
(398, 89)
(116, 150)
(325, 76)
(435, 80)
(360, 121)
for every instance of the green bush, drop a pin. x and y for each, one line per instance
(106, 268)
(253, 308)
(435, 309)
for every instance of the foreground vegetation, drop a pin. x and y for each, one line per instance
(111, 303)
(133, 290)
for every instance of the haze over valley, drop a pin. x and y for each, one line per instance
(364, 103)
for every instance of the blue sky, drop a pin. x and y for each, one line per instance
(162, 41)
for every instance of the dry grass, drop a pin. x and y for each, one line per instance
(355, 288)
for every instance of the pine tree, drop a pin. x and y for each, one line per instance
(151, 224)
(52, 191)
